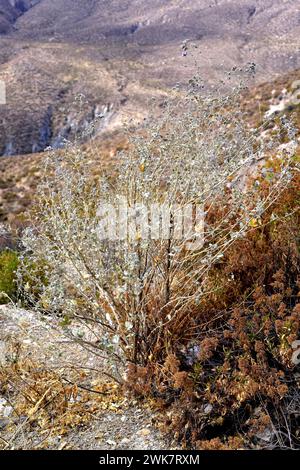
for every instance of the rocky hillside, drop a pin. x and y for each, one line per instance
(19, 175)
(119, 55)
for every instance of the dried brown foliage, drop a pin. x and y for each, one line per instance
(226, 369)
(47, 403)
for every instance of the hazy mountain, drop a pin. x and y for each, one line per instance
(119, 53)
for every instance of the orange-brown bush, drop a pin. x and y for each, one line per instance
(226, 369)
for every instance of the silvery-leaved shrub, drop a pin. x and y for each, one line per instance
(135, 289)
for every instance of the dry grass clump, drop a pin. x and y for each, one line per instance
(46, 403)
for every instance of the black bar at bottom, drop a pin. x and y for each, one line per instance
(142, 459)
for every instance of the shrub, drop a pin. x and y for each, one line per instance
(164, 309)
(9, 261)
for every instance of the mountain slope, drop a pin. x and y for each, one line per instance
(120, 54)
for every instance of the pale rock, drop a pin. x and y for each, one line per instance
(144, 432)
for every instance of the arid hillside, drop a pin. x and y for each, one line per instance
(20, 174)
(120, 55)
